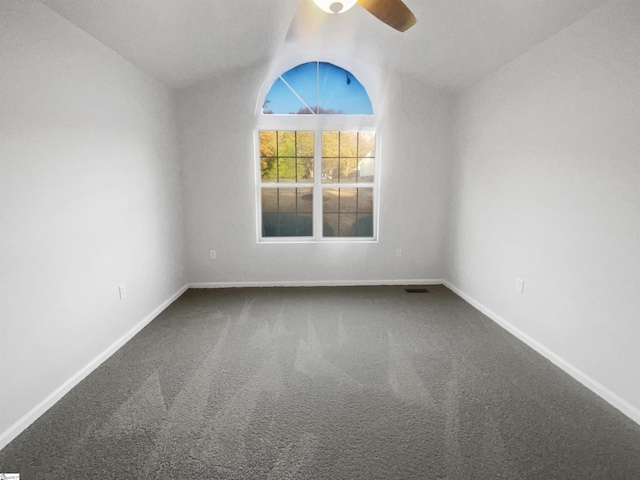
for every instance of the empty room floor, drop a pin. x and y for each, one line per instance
(327, 383)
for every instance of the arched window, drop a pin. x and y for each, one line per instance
(317, 88)
(318, 158)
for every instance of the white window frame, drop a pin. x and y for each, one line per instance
(317, 124)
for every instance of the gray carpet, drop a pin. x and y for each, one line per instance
(326, 383)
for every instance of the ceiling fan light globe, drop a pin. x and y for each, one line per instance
(333, 6)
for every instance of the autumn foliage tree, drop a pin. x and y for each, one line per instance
(286, 156)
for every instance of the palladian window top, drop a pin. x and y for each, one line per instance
(317, 88)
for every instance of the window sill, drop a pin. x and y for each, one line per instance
(308, 240)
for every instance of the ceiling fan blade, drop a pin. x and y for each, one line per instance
(392, 12)
(306, 20)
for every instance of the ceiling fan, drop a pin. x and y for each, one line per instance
(311, 13)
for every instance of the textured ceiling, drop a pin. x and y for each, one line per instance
(454, 43)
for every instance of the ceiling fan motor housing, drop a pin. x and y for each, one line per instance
(333, 6)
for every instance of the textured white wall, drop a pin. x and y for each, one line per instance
(89, 197)
(216, 122)
(548, 190)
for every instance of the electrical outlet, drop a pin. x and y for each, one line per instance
(212, 255)
(398, 252)
(122, 290)
(519, 285)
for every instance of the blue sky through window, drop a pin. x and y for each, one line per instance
(306, 87)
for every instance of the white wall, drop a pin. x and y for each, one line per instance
(216, 122)
(548, 190)
(89, 197)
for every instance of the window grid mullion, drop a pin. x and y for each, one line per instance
(357, 169)
(278, 209)
(317, 188)
(357, 197)
(278, 156)
(318, 213)
(339, 207)
(295, 159)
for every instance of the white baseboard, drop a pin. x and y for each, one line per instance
(14, 430)
(18, 427)
(625, 407)
(317, 283)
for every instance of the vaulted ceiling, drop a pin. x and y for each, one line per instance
(453, 44)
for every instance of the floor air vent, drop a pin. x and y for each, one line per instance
(416, 290)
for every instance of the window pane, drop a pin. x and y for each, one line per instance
(295, 225)
(330, 169)
(304, 225)
(303, 79)
(364, 225)
(348, 199)
(286, 169)
(286, 156)
(330, 144)
(287, 225)
(365, 170)
(348, 169)
(286, 143)
(269, 169)
(305, 200)
(270, 224)
(348, 144)
(366, 144)
(269, 199)
(287, 200)
(348, 224)
(304, 144)
(294, 199)
(287, 212)
(331, 200)
(305, 170)
(347, 212)
(341, 92)
(268, 144)
(317, 88)
(281, 100)
(365, 200)
(330, 224)
(348, 157)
